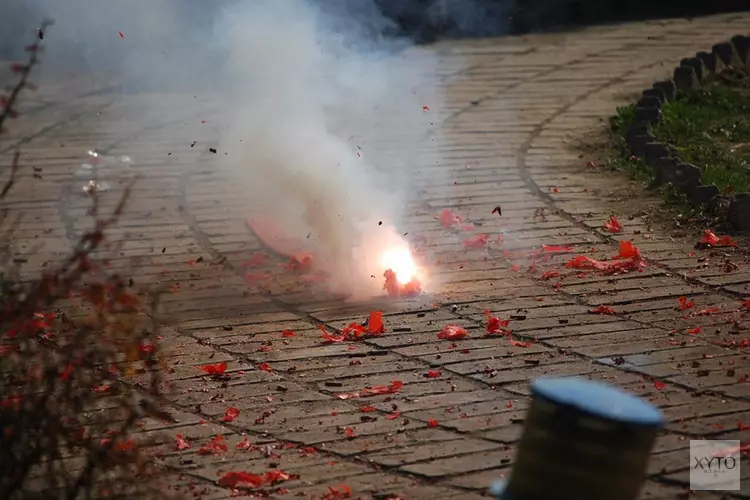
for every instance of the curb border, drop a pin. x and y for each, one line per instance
(668, 168)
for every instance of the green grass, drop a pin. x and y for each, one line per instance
(709, 128)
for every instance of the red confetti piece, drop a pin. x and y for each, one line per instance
(710, 239)
(367, 409)
(495, 324)
(694, 331)
(658, 385)
(244, 444)
(707, 312)
(602, 310)
(613, 225)
(182, 443)
(477, 241)
(452, 332)
(350, 433)
(393, 387)
(432, 423)
(214, 447)
(265, 367)
(216, 369)
(518, 343)
(685, 304)
(343, 491)
(288, 333)
(556, 248)
(433, 374)
(230, 414)
(449, 220)
(547, 275)
(393, 416)
(234, 479)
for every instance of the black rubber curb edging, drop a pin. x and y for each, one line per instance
(669, 169)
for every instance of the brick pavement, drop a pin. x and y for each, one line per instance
(516, 110)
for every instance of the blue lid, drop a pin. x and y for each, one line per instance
(598, 399)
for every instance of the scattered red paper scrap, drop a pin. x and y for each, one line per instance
(425, 108)
(234, 479)
(215, 369)
(214, 447)
(710, 239)
(230, 414)
(476, 241)
(519, 343)
(433, 374)
(264, 367)
(393, 416)
(367, 409)
(452, 332)
(658, 385)
(182, 443)
(350, 433)
(613, 225)
(686, 304)
(354, 331)
(602, 310)
(300, 263)
(244, 444)
(628, 251)
(432, 423)
(556, 248)
(342, 491)
(547, 275)
(328, 337)
(375, 322)
(392, 388)
(288, 333)
(495, 324)
(449, 220)
(708, 311)
(694, 331)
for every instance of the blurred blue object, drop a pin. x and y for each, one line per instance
(582, 440)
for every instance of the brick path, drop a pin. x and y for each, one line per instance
(516, 110)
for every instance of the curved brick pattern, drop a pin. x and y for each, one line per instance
(516, 112)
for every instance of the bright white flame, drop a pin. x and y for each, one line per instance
(400, 261)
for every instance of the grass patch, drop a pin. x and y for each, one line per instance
(708, 127)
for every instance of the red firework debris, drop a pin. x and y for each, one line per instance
(234, 479)
(367, 409)
(182, 443)
(477, 241)
(396, 289)
(709, 239)
(556, 248)
(354, 331)
(300, 263)
(215, 369)
(658, 385)
(350, 433)
(432, 423)
(214, 447)
(613, 225)
(433, 374)
(244, 444)
(519, 343)
(378, 390)
(265, 367)
(602, 310)
(547, 275)
(393, 416)
(694, 331)
(449, 220)
(452, 332)
(686, 304)
(495, 324)
(342, 491)
(288, 333)
(708, 311)
(230, 414)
